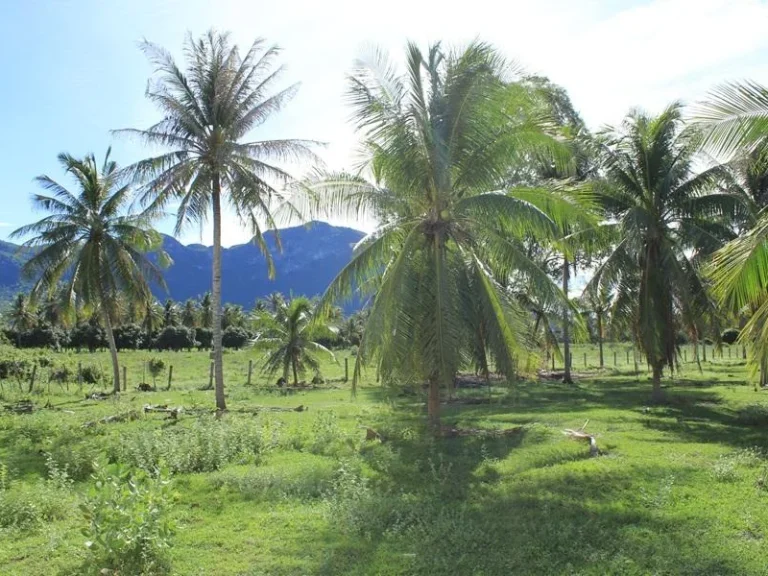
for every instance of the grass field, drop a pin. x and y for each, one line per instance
(677, 489)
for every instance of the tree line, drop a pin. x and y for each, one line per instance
(489, 194)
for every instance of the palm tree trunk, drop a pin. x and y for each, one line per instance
(218, 359)
(657, 394)
(295, 372)
(112, 348)
(433, 403)
(566, 325)
(600, 338)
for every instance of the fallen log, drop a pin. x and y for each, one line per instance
(21, 407)
(124, 417)
(173, 413)
(581, 435)
(451, 432)
(257, 409)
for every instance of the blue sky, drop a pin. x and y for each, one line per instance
(72, 70)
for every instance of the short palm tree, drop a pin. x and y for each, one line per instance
(290, 337)
(666, 220)
(90, 244)
(439, 143)
(208, 111)
(21, 315)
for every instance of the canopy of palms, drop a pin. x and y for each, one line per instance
(439, 143)
(208, 111)
(290, 335)
(666, 220)
(91, 244)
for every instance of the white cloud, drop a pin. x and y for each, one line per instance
(5, 224)
(610, 55)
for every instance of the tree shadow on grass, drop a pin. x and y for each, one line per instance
(588, 520)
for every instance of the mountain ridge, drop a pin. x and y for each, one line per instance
(311, 257)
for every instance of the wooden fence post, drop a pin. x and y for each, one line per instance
(585, 359)
(210, 377)
(614, 357)
(250, 371)
(346, 369)
(125, 379)
(170, 376)
(627, 357)
(80, 375)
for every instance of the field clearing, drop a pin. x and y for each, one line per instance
(678, 489)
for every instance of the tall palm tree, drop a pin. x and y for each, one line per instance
(597, 302)
(206, 311)
(290, 336)
(89, 242)
(189, 314)
(208, 111)
(439, 143)
(666, 221)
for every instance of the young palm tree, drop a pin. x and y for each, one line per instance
(206, 311)
(21, 315)
(666, 221)
(597, 302)
(439, 144)
(91, 244)
(208, 111)
(290, 336)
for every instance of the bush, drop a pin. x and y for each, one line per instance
(128, 528)
(731, 335)
(208, 445)
(42, 337)
(175, 338)
(91, 375)
(156, 367)
(89, 335)
(204, 337)
(234, 337)
(61, 375)
(129, 337)
(13, 368)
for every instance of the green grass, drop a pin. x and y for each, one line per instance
(679, 489)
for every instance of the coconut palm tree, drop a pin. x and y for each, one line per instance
(90, 243)
(439, 143)
(597, 302)
(667, 221)
(206, 311)
(189, 314)
(208, 111)
(21, 315)
(290, 337)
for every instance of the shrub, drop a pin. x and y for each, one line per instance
(13, 368)
(204, 337)
(175, 338)
(61, 375)
(156, 367)
(730, 336)
(208, 445)
(128, 527)
(234, 337)
(89, 335)
(91, 375)
(129, 337)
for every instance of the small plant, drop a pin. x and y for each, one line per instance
(724, 470)
(156, 366)
(91, 375)
(128, 526)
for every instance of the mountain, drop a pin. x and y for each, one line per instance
(310, 259)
